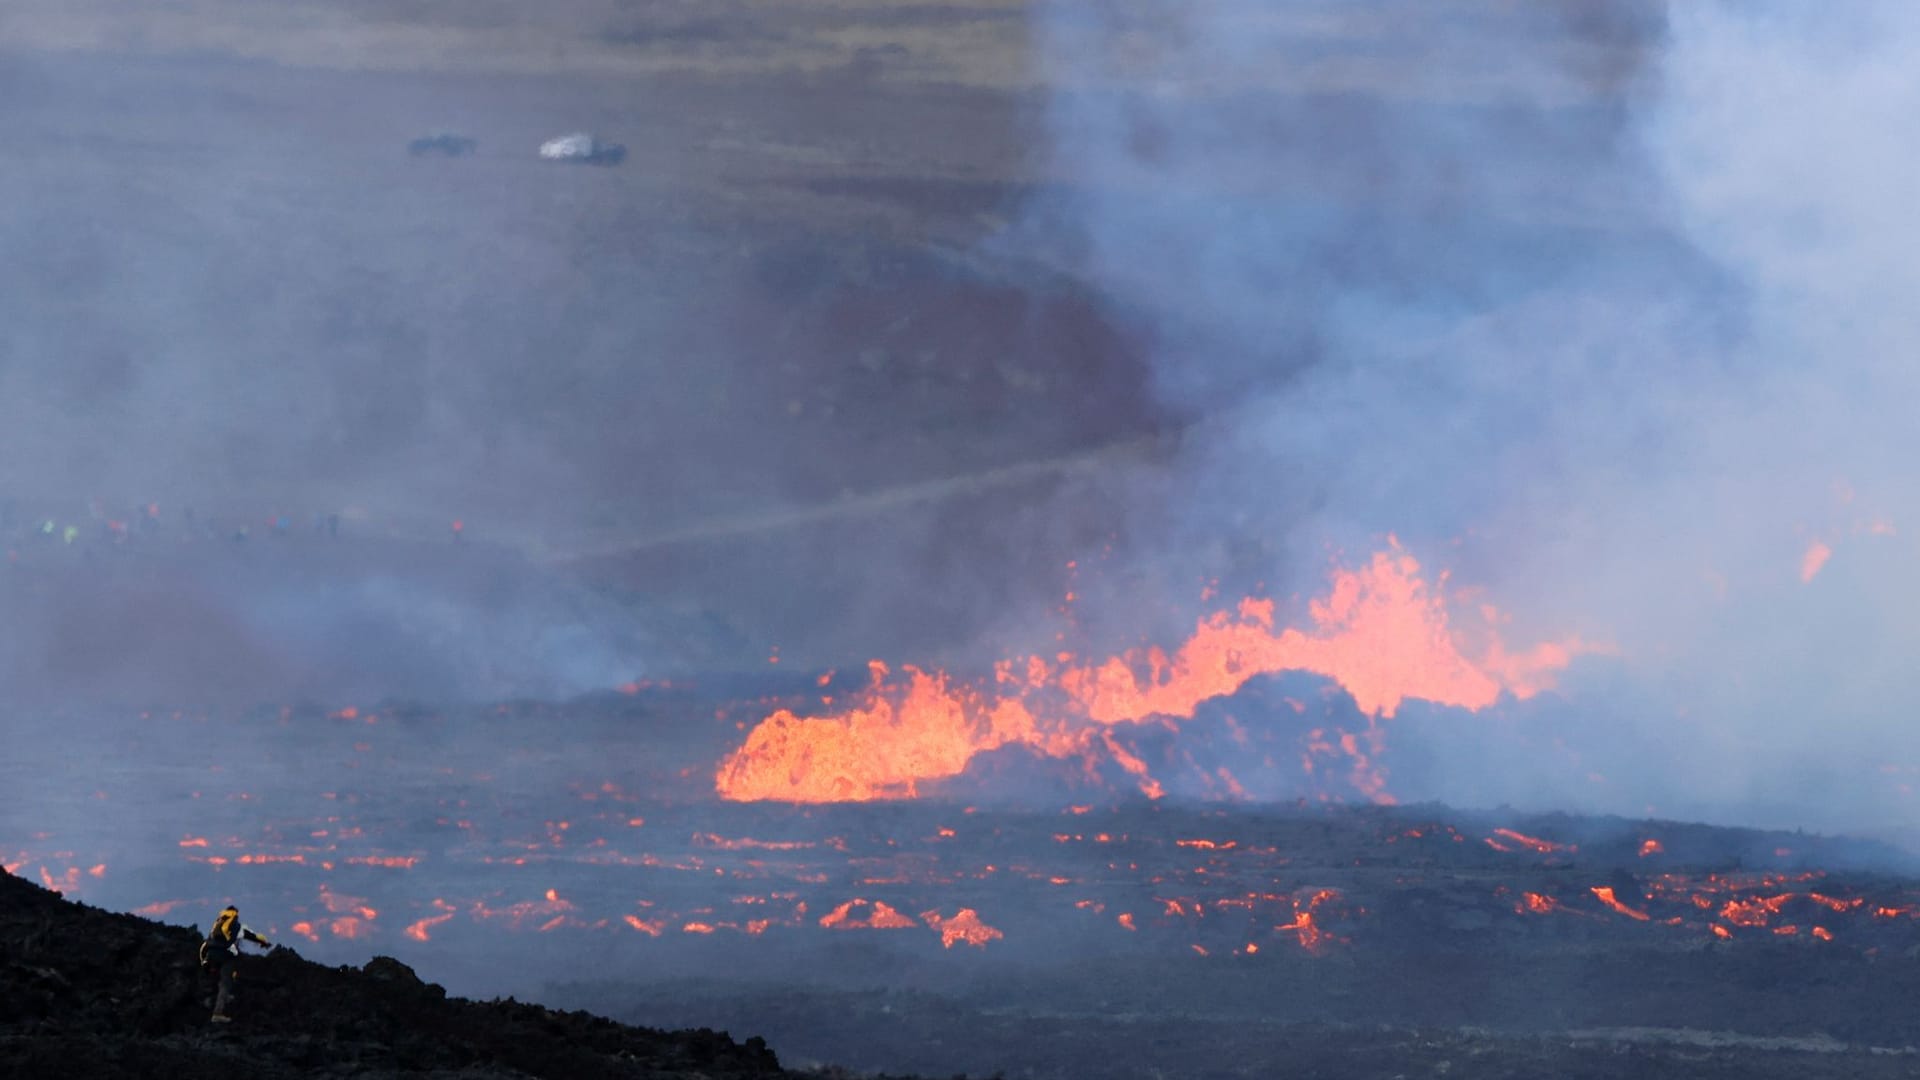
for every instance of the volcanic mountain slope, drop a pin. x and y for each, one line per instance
(85, 992)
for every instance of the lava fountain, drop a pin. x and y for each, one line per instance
(1380, 631)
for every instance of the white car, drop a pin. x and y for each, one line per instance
(584, 149)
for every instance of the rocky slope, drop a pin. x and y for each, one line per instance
(86, 992)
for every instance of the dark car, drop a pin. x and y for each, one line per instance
(443, 145)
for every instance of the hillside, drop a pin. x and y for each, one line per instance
(85, 992)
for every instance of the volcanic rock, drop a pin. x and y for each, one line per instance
(86, 992)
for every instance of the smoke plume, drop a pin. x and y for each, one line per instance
(1605, 313)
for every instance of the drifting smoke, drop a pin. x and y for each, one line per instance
(1607, 313)
(1600, 309)
(230, 288)
(231, 294)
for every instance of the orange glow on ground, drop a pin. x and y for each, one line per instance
(1534, 903)
(418, 931)
(341, 904)
(879, 917)
(1311, 936)
(550, 907)
(964, 927)
(1755, 912)
(1508, 840)
(1816, 556)
(1605, 895)
(1381, 631)
(347, 927)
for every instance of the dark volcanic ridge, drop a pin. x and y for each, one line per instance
(86, 992)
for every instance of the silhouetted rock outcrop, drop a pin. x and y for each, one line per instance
(86, 992)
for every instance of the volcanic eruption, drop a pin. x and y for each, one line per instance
(1064, 540)
(1381, 632)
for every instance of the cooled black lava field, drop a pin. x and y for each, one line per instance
(1112, 937)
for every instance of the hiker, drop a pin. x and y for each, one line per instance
(220, 955)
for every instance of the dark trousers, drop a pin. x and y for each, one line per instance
(225, 977)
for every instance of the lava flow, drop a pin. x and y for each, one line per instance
(1381, 632)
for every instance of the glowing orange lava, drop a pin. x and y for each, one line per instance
(1605, 895)
(1514, 839)
(1381, 631)
(1816, 556)
(418, 931)
(965, 927)
(1755, 912)
(651, 928)
(1534, 903)
(881, 917)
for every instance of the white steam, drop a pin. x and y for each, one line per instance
(1609, 315)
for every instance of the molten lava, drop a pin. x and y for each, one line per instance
(1534, 903)
(964, 927)
(1508, 840)
(420, 930)
(1604, 893)
(1816, 556)
(1381, 631)
(881, 917)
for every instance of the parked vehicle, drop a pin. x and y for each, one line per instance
(583, 149)
(442, 144)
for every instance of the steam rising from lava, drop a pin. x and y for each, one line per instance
(1381, 632)
(1614, 306)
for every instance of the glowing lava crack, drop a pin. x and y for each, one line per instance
(1380, 631)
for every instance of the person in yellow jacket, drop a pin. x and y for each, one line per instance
(219, 955)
